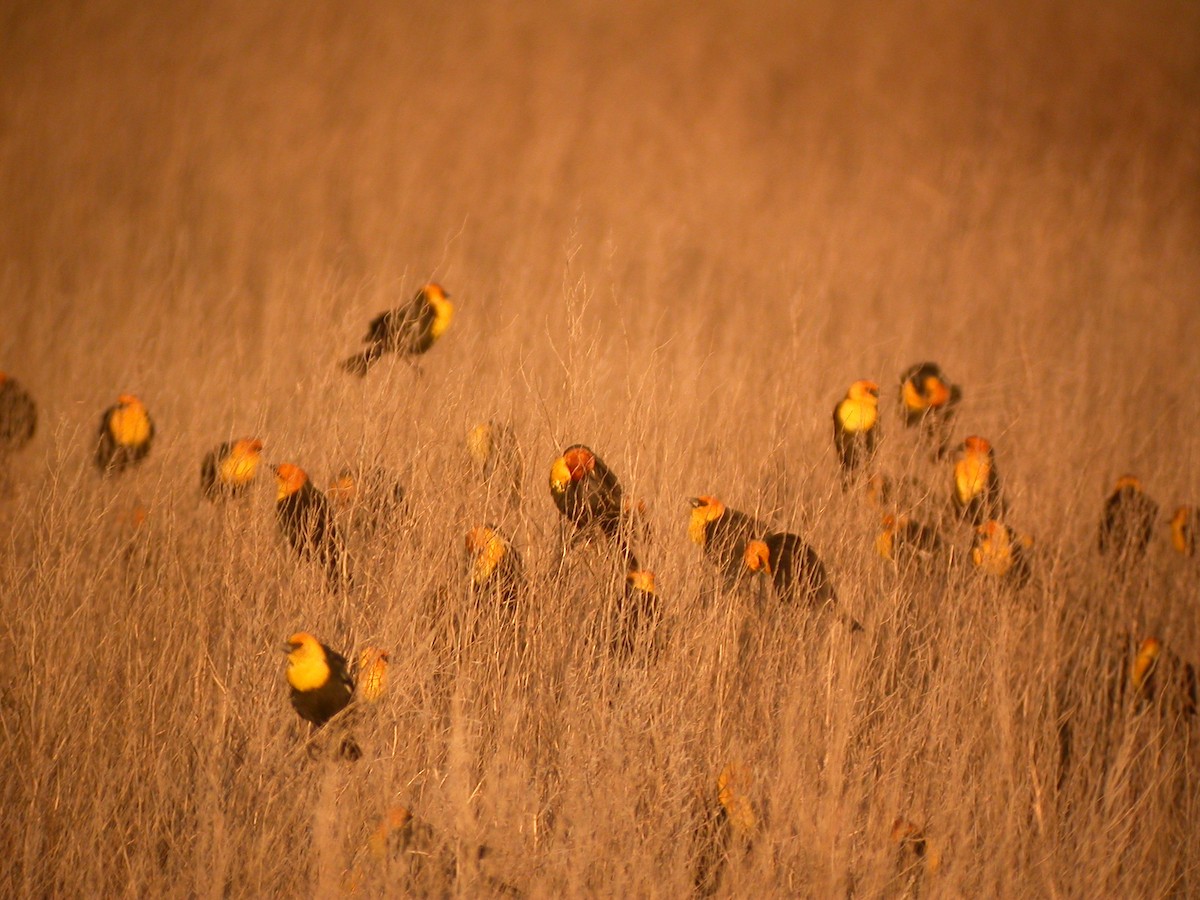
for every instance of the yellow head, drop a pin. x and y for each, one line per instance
(1131, 482)
(307, 667)
(1182, 538)
(443, 309)
(641, 580)
(344, 490)
(129, 423)
(288, 480)
(885, 543)
(977, 446)
(487, 549)
(241, 465)
(993, 550)
(757, 557)
(1143, 663)
(371, 682)
(865, 391)
(481, 443)
(705, 509)
(733, 788)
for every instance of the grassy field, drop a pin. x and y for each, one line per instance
(676, 233)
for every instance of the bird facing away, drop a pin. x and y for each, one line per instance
(1156, 671)
(306, 520)
(229, 469)
(1128, 523)
(408, 330)
(126, 432)
(977, 496)
(856, 427)
(18, 415)
(723, 533)
(1184, 525)
(372, 674)
(1001, 552)
(320, 681)
(796, 571)
(930, 400)
(588, 495)
(638, 612)
(903, 539)
(367, 498)
(496, 457)
(496, 569)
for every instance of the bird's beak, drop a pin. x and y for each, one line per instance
(288, 647)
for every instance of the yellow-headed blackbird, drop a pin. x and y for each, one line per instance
(723, 533)
(794, 567)
(904, 539)
(909, 838)
(372, 674)
(1157, 670)
(588, 494)
(409, 330)
(319, 678)
(1128, 524)
(977, 496)
(497, 458)
(126, 433)
(1184, 526)
(637, 613)
(1000, 551)
(929, 399)
(367, 498)
(18, 415)
(856, 426)
(228, 470)
(495, 565)
(729, 831)
(307, 521)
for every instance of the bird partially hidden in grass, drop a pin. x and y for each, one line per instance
(228, 471)
(856, 427)
(929, 401)
(1002, 553)
(723, 534)
(321, 685)
(18, 415)
(1156, 673)
(1184, 525)
(496, 457)
(126, 433)
(903, 540)
(367, 498)
(638, 614)
(590, 497)
(371, 676)
(407, 331)
(728, 831)
(306, 520)
(796, 572)
(497, 574)
(1127, 525)
(977, 495)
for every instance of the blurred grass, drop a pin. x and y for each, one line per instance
(676, 234)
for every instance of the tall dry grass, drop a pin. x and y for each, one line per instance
(675, 234)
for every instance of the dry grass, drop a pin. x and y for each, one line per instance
(676, 235)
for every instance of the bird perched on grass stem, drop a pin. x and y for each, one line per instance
(229, 469)
(724, 534)
(929, 400)
(126, 432)
(18, 415)
(977, 496)
(856, 427)
(408, 331)
(1001, 552)
(496, 570)
(307, 522)
(1127, 526)
(321, 686)
(588, 495)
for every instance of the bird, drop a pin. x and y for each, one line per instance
(18, 415)
(729, 831)
(903, 539)
(126, 433)
(408, 330)
(793, 566)
(1127, 525)
(588, 495)
(496, 570)
(229, 469)
(1184, 525)
(928, 398)
(319, 678)
(1157, 670)
(367, 497)
(306, 520)
(723, 533)
(977, 496)
(637, 614)
(1001, 552)
(371, 676)
(497, 459)
(856, 427)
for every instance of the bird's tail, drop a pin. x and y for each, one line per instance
(360, 363)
